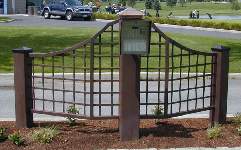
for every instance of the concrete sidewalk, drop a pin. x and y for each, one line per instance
(7, 99)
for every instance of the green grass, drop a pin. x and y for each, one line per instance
(39, 38)
(5, 19)
(49, 39)
(203, 7)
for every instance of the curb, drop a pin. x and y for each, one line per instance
(199, 28)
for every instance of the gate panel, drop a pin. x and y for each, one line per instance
(173, 77)
(83, 76)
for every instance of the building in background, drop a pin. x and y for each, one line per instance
(16, 6)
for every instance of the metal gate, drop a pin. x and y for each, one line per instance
(179, 79)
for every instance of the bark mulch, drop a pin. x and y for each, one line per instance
(102, 134)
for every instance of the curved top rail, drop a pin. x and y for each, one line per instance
(75, 46)
(178, 44)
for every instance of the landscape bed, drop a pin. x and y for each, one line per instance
(5, 19)
(101, 134)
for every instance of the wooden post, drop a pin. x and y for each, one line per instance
(129, 109)
(23, 87)
(129, 97)
(220, 92)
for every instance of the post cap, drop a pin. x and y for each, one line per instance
(220, 48)
(23, 50)
(131, 13)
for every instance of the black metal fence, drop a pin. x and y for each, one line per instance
(178, 79)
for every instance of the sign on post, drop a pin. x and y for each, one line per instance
(135, 37)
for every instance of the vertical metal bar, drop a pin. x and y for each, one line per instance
(92, 48)
(188, 79)
(33, 84)
(147, 86)
(159, 70)
(100, 75)
(166, 78)
(112, 65)
(53, 87)
(63, 83)
(204, 79)
(74, 82)
(43, 85)
(196, 83)
(180, 83)
(23, 87)
(84, 54)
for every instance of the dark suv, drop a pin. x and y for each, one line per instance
(66, 9)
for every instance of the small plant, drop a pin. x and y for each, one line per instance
(16, 138)
(72, 110)
(3, 137)
(214, 132)
(158, 112)
(237, 118)
(239, 130)
(45, 135)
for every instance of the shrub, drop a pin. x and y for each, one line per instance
(158, 112)
(239, 130)
(104, 16)
(3, 137)
(237, 118)
(171, 3)
(45, 135)
(214, 132)
(72, 110)
(16, 138)
(235, 5)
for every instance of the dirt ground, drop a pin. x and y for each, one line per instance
(86, 135)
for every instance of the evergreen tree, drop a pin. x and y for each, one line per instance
(148, 4)
(131, 3)
(156, 5)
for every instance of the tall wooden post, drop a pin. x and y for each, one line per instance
(220, 92)
(23, 87)
(129, 110)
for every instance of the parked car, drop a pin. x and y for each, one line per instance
(66, 9)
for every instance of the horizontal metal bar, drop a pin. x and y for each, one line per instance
(189, 100)
(152, 116)
(63, 102)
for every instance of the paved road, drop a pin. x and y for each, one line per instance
(7, 97)
(21, 20)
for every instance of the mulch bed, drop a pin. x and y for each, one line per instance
(104, 134)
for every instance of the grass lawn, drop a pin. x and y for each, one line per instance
(49, 39)
(5, 19)
(203, 7)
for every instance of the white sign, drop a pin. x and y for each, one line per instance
(135, 36)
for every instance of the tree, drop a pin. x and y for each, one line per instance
(156, 5)
(148, 4)
(171, 3)
(182, 2)
(131, 3)
(235, 4)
